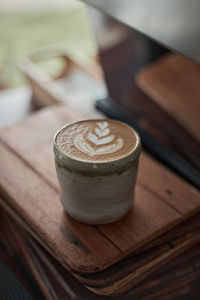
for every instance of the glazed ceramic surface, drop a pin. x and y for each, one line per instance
(96, 163)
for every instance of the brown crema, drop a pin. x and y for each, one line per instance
(97, 140)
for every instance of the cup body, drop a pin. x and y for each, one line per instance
(97, 199)
(97, 193)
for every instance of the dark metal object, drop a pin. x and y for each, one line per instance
(163, 153)
(175, 24)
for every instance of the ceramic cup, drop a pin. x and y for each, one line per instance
(96, 163)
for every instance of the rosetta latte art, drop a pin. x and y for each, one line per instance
(99, 142)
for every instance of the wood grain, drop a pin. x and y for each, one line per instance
(32, 139)
(29, 185)
(149, 217)
(173, 83)
(57, 283)
(175, 191)
(32, 156)
(77, 246)
(135, 268)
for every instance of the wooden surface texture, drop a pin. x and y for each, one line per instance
(30, 191)
(173, 83)
(178, 279)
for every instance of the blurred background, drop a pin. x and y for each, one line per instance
(48, 55)
(26, 26)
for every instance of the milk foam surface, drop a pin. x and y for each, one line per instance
(96, 140)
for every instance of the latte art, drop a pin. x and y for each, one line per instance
(101, 142)
(96, 140)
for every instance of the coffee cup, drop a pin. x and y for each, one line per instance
(96, 163)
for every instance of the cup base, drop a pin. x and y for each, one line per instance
(100, 221)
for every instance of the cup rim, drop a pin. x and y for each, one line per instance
(73, 163)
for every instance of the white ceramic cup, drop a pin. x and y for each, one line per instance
(97, 187)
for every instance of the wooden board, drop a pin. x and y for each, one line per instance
(133, 269)
(57, 283)
(173, 83)
(29, 186)
(136, 267)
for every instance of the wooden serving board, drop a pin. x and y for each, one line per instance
(134, 268)
(29, 189)
(173, 83)
(173, 280)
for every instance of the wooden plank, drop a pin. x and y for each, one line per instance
(162, 185)
(32, 139)
(145, 255)
(77, 246)
(27, 147)
(36, 150)
(69, 285)
(52, 283)
(176, 192)
(134, 278)
(74, 230)
(187, 263)
(148, 218)
(140, 265)
(173, 83)
(153, 284)
(190, 226)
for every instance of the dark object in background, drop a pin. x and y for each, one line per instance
(177, 280)
(87, 248)
(124, 52)
(10, 287)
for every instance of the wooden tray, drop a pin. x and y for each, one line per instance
(180, 277)
(30, 192)
(173, 83)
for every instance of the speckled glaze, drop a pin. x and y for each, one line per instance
(100, 192)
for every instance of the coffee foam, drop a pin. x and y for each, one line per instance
(96, 140)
